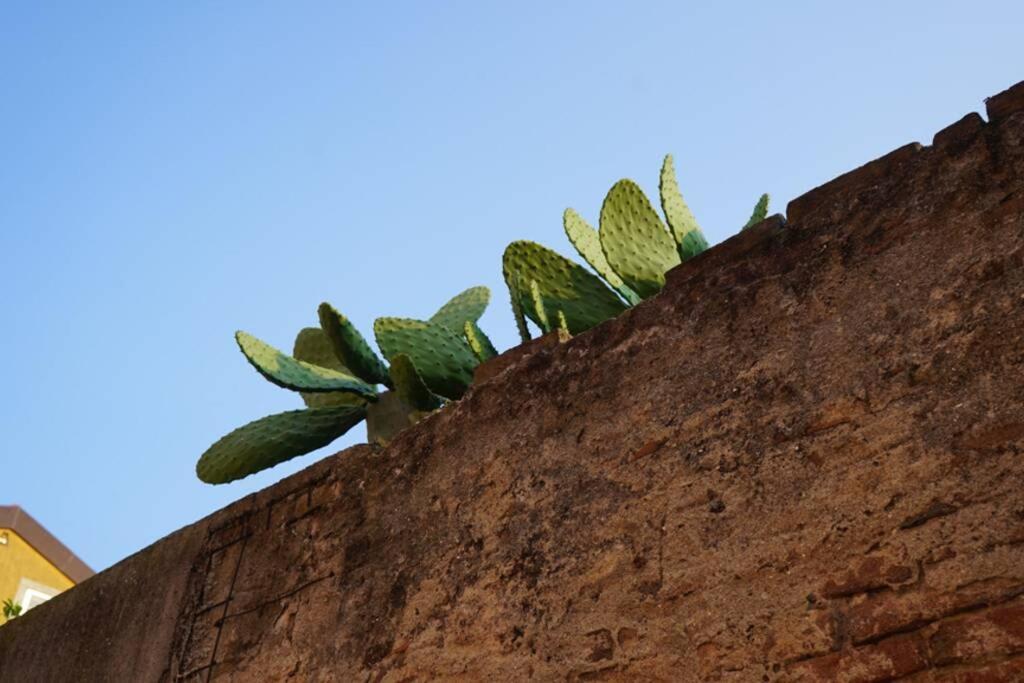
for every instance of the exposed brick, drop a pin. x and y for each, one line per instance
(871, 574)
(997, 631)
(983, 672)
(957, 134)
(849, 184)
(1005, 103)
(891, 658)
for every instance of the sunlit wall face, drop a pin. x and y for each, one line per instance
(175, 172)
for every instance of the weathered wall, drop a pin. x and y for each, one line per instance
(802, 461)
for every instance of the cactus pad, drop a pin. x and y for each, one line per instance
(285, 371)
(274, 439)
(481, 345)
(760, 212)
(469, 305)
(563, 324)
(442, 357)
(634, 240)
(689, 238)
(313, 346)
(564, 285)
(410, 386)
(540, 312)
(517, 305)
(351, 347)
(588, 245)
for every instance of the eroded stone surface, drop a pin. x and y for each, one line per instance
(802, 461)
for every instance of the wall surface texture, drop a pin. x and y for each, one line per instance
(802, 461)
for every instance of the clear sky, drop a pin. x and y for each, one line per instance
(175, 172)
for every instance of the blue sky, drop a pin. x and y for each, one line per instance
(177, 171)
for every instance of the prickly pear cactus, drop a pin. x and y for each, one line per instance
(335, 370)
(563, 324)
(636, 244)
(588, 245)
(540, 312)
(274, 439)
(563, 285)
(760, 212)
(410, 385)
(442, 356)
(468, 305)
(516, 295)
(479, 342)
(285, 371)
(351, 347)
(312, 346)
(689, 239)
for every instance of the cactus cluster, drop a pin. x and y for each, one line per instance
(630, 252)
(337, 374)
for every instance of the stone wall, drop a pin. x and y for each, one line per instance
(801, 461)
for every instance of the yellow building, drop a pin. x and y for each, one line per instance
(34, 566)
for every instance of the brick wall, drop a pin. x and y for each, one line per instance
(802, 461)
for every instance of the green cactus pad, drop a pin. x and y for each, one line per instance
(636, 244)
(313, 346)
(469, 305)
(285, 371)
(564, 285)
(588, 245)
(409, 385)
(760, 212)
(479, 342)
(540, 312)
(274, 439)
(563, 324)
(689, 239)
(442, 357)
(517, 306)
(351, 347)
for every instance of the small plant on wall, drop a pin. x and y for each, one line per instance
(11, 609)
(337, 375)
(630, 252)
